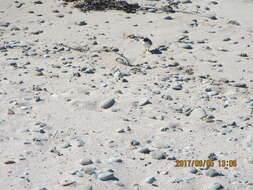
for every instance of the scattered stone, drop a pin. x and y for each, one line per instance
(212, 17)
(168, 18)
(216, 186)
(144, 150)
(213, 156)
(67, 182)
(108, 103)
(234, 22)
(212, 173)
(37, 32)
(198, 113)
(38, 73)
(82, 23)
(89, 70)
(59, 15)
(9, 162)
(241, 85)
(177, 87)
(226, 39)
(144, 102)
(114, 159)
(135, 143)
(86, 162)
(4, 24)
(193, 170)
(150, 180)
(107, 176)
(187, 46)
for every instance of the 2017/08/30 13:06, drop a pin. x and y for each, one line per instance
(206, 163)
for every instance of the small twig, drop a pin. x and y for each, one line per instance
(123, 60)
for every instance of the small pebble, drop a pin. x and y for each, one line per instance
(85, 162)
(108, 103)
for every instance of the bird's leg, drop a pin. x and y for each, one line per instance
(144, 53)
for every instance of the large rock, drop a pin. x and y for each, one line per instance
(198, 113)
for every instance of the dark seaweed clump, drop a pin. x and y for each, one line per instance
(101, 5)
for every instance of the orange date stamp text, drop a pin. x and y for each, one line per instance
(206, 163)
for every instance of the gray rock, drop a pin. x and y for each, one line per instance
(135, 143)
(73, 172)
(114, 159)
(177, 87)
(108, 103)
(86, 162)
(17, 44)
(168, 18)
(79, 174)
(212, 93)
(37, 32)
(59, 15)
(156, 92)
(178, 180)
(226, 39)
(212, 173)
(67, 182)
(171, 158)
(144, 150)
(187, 46)
(19, 4)
(4, 24)
(106, 176)
(212, 17)
(216, 186)
(234, 22)
(198, 113)
(200, 41)
(193, 170)
(240, 85)
(150, 180)
(212, 156)
(152, 10)
(144, 101)
(89, 70)
(118, 183)
(82, 23)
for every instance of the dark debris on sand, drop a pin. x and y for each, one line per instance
(101, 5)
